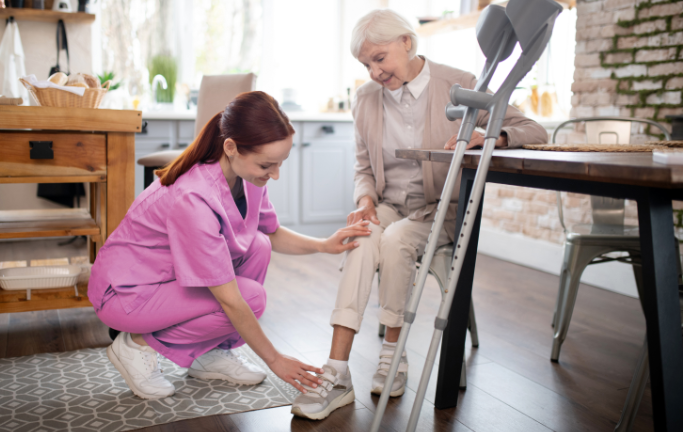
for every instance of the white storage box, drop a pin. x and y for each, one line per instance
(27, 278)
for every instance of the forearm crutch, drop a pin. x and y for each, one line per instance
(498, 30)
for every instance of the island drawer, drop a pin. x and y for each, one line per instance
(43, 154)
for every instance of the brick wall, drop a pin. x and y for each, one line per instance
(629, 62)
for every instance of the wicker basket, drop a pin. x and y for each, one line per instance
(52, 97)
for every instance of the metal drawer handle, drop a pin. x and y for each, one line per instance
(305, 144)
(41, 150)
(182, 145)
(165, 145)
(328, 129)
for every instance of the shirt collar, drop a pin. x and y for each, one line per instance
(416, 86)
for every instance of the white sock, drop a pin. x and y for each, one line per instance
(389, 344)
(340, 366)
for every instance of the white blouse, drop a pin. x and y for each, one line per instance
(405, 111)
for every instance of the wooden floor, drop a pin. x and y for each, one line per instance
(512, 385)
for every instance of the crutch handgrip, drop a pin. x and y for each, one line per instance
(470, 98)
(455, 112)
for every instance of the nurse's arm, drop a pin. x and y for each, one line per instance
(243, 319)
(286, 241)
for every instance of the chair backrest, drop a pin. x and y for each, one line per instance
(608, 211)
(216, 91)
(606, 130)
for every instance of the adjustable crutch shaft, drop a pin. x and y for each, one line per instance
(466, 129)
(456, 265)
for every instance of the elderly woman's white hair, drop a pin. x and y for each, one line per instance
(380, 27)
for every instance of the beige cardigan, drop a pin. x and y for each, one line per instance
(368, 119)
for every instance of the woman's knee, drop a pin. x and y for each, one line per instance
(393, 243)
(254, 294)
(261, 247)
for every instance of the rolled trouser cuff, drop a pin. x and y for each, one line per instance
(390, 319)
(346, 318)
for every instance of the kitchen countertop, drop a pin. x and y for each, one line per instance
(293, 116)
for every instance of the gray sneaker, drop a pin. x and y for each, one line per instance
(378, 379)
(336, 391)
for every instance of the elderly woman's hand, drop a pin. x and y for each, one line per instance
(477, 141)
(365, 211)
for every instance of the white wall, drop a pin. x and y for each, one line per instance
(547, 257)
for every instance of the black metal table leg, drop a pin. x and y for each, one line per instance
(453, 342)
(661, 306)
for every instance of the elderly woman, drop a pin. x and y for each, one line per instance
(402, 107)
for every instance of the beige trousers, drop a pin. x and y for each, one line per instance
(393, 246)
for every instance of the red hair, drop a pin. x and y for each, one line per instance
(251, 120)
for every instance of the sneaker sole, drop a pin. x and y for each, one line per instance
(126, 377)
(216, 375)
(339, 402)
(396, 393)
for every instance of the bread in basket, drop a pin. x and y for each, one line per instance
(52, 97)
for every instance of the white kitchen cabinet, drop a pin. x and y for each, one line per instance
(327, 178)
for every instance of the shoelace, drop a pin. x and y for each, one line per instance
(323, 389)
(152, 364)
(385, 357)
(232, 356)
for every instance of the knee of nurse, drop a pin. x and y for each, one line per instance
(261, 245)
(254, 294)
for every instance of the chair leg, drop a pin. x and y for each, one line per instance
(473, 327)
(635, 393)
(463, 374)
(563, 281)
(580, 257)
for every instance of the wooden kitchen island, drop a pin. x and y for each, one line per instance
(67, 145)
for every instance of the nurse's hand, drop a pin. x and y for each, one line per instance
(295, 372)
(477, 140)
(365, 211)
(335, 243)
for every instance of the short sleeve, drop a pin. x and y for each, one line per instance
(200, 253)
(267, 220)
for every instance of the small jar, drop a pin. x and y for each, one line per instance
(38, 4)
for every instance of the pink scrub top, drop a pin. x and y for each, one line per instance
(190, 231)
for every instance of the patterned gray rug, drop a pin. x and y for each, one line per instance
(82, 391)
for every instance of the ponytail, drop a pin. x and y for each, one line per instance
(207, 147)
(251, 120)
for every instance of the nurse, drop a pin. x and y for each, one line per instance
(182, 275)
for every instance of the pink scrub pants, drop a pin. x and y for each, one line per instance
(182, 323)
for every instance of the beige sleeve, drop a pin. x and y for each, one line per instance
(364, 178)
(520, 130)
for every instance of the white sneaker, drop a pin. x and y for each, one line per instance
(139, 366)
(336, 391)
(228, 366)
(399, 386)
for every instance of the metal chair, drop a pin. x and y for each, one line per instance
(439, 269)
(215, 92)
(588, 244)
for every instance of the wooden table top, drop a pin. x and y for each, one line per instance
(635, 169)
(71, 119)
